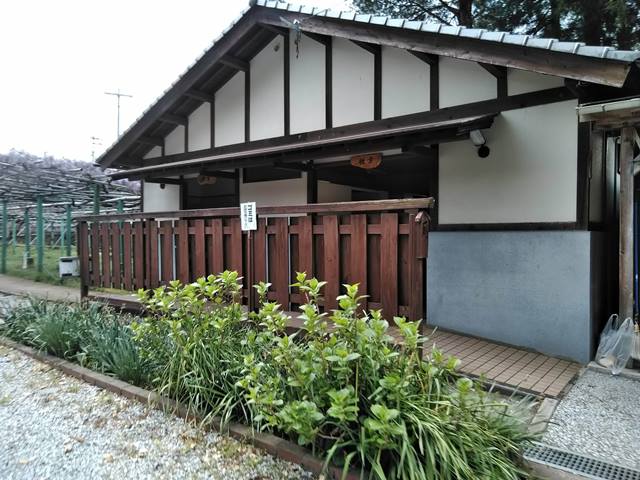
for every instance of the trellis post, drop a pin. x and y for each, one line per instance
(27, 234)
(5, 233)
(39, 235)
(68, 232)
(14, 234)
(96, 199)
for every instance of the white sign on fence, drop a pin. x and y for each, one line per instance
(248, 216)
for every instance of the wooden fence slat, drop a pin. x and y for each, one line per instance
(115, 257)
(281, 258)
(96, 277)
(259, 255)
(359, 255)
(183, 251)
(105, 249)
(83, 254)
(138, 254)
(216, 258)
(126, 256)
(389, 264)
(200, 269)
(236, 246)
(166, 230)
(305, 245)
(153, 258)
(416, 270)
(331, 261)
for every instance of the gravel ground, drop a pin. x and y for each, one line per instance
(55, 426)
(599, 418)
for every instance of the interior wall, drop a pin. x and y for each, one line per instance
(462, 81)
(530, 175)
(353, 88)
(156, 199)
(200, 127)
(276, 192)
(229, 114)
(405, 83)
(267, 91)
(331, 192)
(307, 88)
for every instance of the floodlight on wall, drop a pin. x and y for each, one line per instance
(480, 141)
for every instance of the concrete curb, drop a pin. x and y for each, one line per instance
(272, 444)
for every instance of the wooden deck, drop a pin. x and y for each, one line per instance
(517, 369)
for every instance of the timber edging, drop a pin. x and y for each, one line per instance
(272, 444)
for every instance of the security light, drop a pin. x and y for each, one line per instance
(477, 138)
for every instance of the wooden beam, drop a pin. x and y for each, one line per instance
(235, 62)
(155, 141)
(328, 82)
(174, 119)
(167, 181)
(428, 58)
(627, 144)
(500, 73)
(200, 95)
(247, 105)
(376, 51)
(561, 64)
(321, 39)
(312, 185)
(220, 173)
(278, 30)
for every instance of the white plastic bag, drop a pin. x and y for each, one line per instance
(616, 343)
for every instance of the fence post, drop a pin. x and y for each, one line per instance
(39, 235)
(68, 231)
(27, 234)
(96, 199)
(5, 232)
(14, 234)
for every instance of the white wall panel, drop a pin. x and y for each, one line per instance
(353, 87)
(462, 82)
(530, 176)
(405, 83)
(521, 81)
(174, 142)
(229, 114)
(154, 152)
(200, 127)
(156, 199)
(276, 192)
(307, 87)
(330, 192)
(267, 91)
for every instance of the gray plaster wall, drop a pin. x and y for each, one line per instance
(530, 289)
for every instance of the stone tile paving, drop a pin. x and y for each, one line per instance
(56, 427)
(599, 417)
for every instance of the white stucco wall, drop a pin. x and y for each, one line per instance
(307, 91)
(174, 142)
(267, 91)
(275, 192)
(521, 81)
(229, 114)
(353, 87)
(200, 127)
(330, 192)
(462, 82)
(530, 176)
(154, 152)
(405, 83)
(156, 199)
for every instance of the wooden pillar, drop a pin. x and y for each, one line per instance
(625, 251)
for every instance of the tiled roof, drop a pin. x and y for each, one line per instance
(576, 48)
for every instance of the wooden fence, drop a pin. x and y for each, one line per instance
(381, 245)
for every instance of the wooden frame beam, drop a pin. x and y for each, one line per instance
(428, 58)
(434, 76)
(220, 173)
(174, 119)
(168, 181)
(278, 30)
(200, 95)
(155, 141)
(286, 53)
(235, 62)
(500, 73)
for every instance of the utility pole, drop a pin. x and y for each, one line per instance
(118, 95)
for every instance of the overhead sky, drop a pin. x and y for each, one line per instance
(57, 58)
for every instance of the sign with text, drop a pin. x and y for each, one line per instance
(248, 216)
(367, 161)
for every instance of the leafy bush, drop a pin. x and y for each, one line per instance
(89, 333)
(351, 392)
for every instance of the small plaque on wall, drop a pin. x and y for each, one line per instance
(248, 216)
(367, 161)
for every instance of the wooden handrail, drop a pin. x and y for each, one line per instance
(337, 207)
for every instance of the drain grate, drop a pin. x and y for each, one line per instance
(579, 464)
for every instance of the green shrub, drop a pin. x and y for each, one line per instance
(350, 392)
